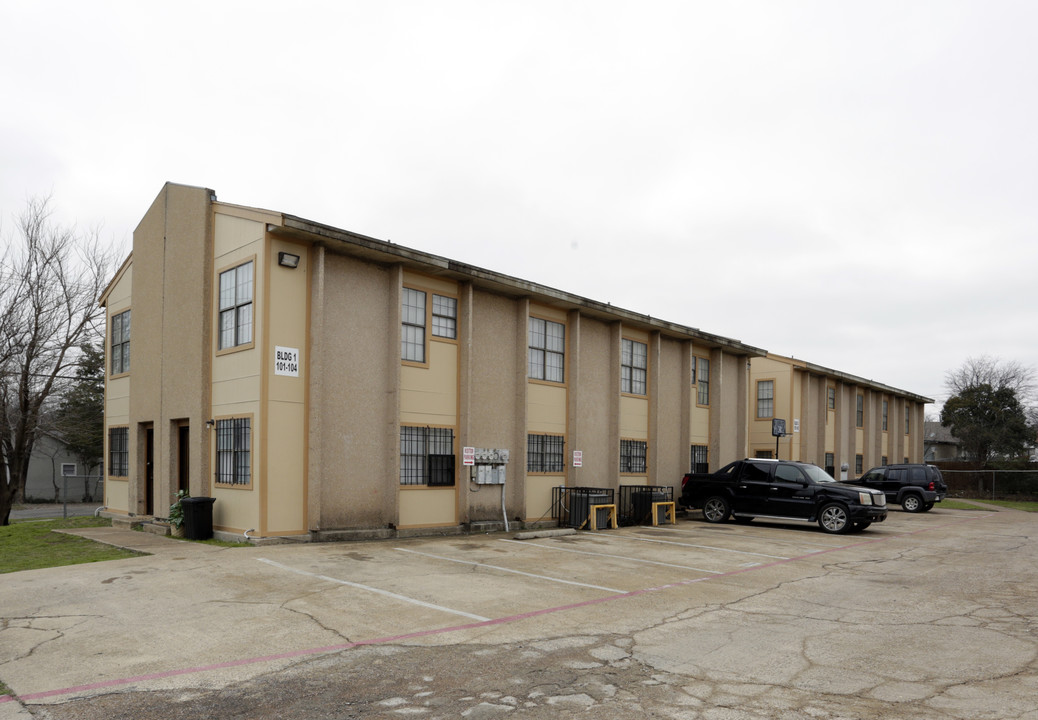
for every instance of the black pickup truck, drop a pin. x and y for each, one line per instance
(784, 490)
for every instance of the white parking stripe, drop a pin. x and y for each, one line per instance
(393, 595)
(618, 557)
(740, 531)
(508, 570)
(704, 547)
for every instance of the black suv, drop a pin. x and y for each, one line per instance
(915, 487)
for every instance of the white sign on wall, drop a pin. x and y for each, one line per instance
(578, 458)
(286, 361)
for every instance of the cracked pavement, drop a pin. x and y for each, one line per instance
(923, 616)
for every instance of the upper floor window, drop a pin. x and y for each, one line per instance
(884, 416)
(859, 411)
(426, 456)
(765, 398)
(236, 306)
(547, 348)
(119, 452)
(633, 364)
(412, 337)
(703, 382)
(445, 317)
(632, 456)
(907, 423)
(830, 397)
(120, 347)
(544, 453)
(234, 451)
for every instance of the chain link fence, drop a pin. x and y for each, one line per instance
(989, 484)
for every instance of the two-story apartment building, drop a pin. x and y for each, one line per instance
(319, 383)
(831, 418)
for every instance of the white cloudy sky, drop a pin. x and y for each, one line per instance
(852, 183)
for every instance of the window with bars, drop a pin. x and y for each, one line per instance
(765, 398)
(546, 356)
(883, 460)
(426, 456)
(445, 317)
(234, 451)
(236, 306)
(634, 360)
(700, 459)
(120, 343)
(632, 456)
(859, 411)
(703, 382)
(118, 452)
(545, 453)
(859, 464)
(830, 464)
(412, 338)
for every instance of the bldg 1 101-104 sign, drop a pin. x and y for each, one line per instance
(286, 361)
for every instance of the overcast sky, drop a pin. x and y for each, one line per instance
(850, 183)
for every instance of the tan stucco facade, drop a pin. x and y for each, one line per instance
(820, 407)
(309, 364)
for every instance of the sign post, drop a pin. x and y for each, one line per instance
(778, 429)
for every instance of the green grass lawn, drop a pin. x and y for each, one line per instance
(1011, 504)
(31, 544)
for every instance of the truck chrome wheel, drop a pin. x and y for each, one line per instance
(715, 509)
(833, 519)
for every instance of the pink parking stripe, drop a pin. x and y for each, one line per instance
(453, 628)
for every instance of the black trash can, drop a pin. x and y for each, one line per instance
(198, 517)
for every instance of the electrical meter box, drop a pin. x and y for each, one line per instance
(489, 467)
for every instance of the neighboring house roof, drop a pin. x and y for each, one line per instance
(936, 434)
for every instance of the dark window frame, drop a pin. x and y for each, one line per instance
(120, 344)
(234, 451)
(634, 376)
(236, 308)
(545, 453)
(634, 457)
(546, 350)
(119, 451)
(427, 456)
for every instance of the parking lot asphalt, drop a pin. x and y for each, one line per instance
(922, 616)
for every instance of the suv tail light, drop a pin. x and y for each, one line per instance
(684, 481)
(930, 486)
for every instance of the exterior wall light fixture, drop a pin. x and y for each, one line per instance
(288, 260)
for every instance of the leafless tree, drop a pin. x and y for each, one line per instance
(51, 278)
(999, 374)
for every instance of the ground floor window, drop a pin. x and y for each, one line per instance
(830, 464)
(118, 452)
(544, 453)
(700, 459)
(426, 456)
(632, 456)
(859, 464)
(234, 451)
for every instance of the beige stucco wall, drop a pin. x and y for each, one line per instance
(169, 342)
(355, 437)
(594, 427)
(117, 390)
